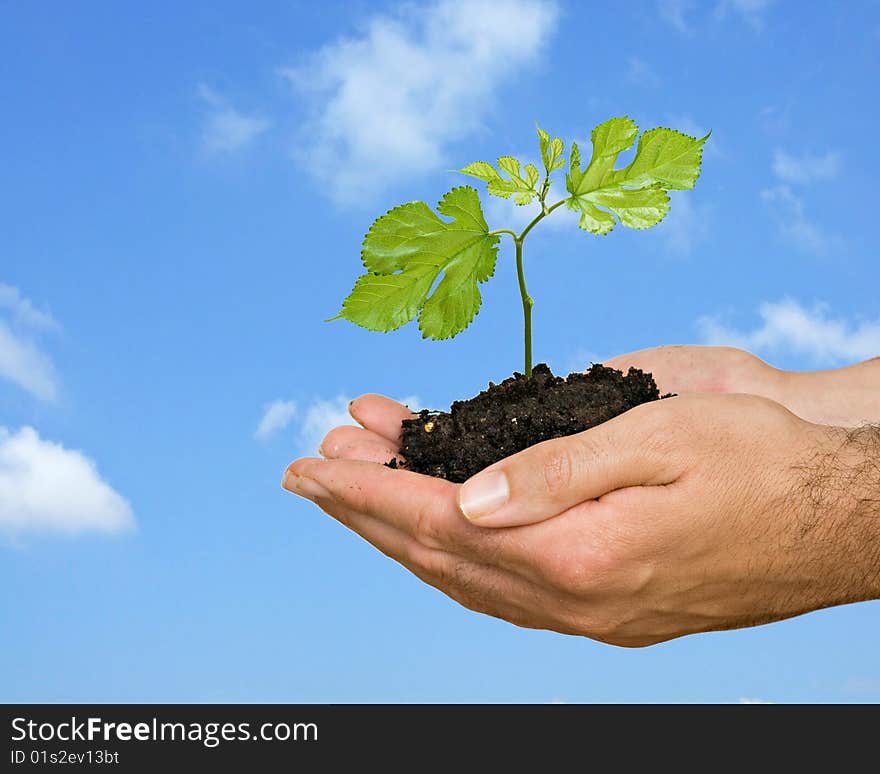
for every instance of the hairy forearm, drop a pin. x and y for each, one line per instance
(844, 397)
(840, 520)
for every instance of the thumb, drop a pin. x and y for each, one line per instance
(546, 479)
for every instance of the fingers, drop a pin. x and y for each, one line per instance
(348, 442)
(377, 453)
(550, 477)
(390, 540)
(381, 415)
(477, 586)
(422, 507)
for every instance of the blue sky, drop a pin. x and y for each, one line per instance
(183, 193)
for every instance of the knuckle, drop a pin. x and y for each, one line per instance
(569, 569)
(597, 567)
(426, 528)
(421, 560)
(333, 438)
(558, 468)
(663, 425)
(567, 572)
(430, 566)
(436, 530)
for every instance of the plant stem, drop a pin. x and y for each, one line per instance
(527, 304)
(503, 231)
(538, 218)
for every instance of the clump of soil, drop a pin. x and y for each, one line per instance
(518, 413)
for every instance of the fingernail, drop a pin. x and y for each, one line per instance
(304, 487)
(322, 452)
(483, 494)
(288, 481)
(311, 489)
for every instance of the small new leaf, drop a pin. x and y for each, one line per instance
(551, 151)
(405, 252)
(521, 188)
(637, 194)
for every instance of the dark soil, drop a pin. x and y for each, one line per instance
(516, 414)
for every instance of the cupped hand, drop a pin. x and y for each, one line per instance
(845, 397)
(685, 368)
(684, 515)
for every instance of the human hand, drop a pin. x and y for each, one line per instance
(686, 368)
(680, 516)
(844, 397)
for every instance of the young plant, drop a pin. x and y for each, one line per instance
(407, 249)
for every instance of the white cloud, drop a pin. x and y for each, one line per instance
(679, 13)
(323, 415)
(226, 129)
(750, 11)
(47, 488)
(745, 700)
(807, 168)
(787, 208)
(384, 105)
(676, 13)
(640, 73)
(789, 327)
(22, 362)
(22, 309)
(505, 213)
(277, 415)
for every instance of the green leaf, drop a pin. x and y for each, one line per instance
(521, 188)
(532, 174)
(637, 194)
(405, 252)
(551, 151)
(482, 170)
(666, 158)
(544, 142)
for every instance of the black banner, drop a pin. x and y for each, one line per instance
(107, 737)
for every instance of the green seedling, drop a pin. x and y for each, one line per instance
(408, 248)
